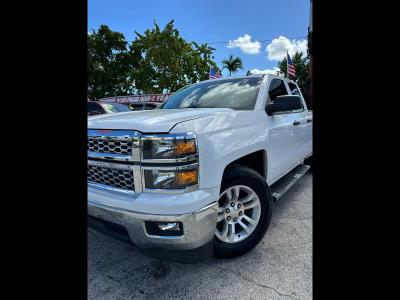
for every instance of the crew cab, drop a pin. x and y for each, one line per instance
(198, 175)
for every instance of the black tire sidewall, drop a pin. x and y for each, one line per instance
(309, 161)
(240, 175)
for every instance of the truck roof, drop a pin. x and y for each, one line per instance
(247, 76)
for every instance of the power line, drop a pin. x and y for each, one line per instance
(261, 41)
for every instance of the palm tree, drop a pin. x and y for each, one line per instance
(232, 64)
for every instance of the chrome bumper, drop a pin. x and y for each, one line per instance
(198, 227)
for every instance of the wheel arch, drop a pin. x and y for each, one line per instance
(257, 161)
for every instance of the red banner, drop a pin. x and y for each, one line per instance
(137, 98)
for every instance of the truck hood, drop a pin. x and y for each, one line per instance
(149, 121)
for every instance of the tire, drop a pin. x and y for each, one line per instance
(309, 161)
(235, 240)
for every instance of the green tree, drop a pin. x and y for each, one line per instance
(232, 64)
(109, 63)
(302, 77)
(166, 62)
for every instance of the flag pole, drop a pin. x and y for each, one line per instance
(287, 64)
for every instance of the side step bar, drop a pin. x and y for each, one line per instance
(279, 188)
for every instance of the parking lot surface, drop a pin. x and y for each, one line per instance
(280, 267)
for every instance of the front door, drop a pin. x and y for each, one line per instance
(283, 133)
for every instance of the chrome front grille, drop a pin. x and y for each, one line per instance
(112, 146)
(119, 178)
(111, 158)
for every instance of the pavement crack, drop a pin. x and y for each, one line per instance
(112, 278)
(256, 283)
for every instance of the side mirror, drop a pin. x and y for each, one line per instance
(284, 104)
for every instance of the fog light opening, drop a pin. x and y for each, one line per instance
(164, 228)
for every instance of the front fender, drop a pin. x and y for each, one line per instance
(224, 139)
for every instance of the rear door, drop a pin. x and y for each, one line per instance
(304, 129)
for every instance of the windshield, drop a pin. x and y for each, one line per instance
(235, 93)
(114, 107)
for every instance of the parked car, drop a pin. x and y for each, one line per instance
(198, 175)
(143, 106)
(98, 108)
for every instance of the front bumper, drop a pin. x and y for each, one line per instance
(198, 226)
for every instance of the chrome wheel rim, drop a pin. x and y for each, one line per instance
(239, 212)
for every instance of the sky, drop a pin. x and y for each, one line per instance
(242, 25)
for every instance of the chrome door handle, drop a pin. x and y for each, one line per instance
(295, 123)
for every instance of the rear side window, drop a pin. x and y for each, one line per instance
(294, 90)
(277, 88)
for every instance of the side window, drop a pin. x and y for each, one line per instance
(276, 88)
(294, 90)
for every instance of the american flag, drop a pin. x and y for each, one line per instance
(213, 74)
(290, 67)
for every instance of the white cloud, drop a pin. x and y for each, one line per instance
(245, 44)
(276, 50)
(266, 71)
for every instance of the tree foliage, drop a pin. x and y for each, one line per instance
(157, 61)
(168, 62)
(302, 77)
(232, 64)
(108, 63)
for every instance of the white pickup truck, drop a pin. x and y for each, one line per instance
(198, 175)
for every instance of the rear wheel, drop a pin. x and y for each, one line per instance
(244, 212)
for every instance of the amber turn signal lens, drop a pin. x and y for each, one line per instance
(185, 147)
(186, 178)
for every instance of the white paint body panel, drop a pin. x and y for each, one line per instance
(224, 135)
(151, 121)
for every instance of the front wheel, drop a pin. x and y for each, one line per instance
(244, 212)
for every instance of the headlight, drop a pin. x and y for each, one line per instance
(162, 153)
(169, 146)
(171, 179)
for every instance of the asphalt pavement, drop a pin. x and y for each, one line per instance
(279, 267)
